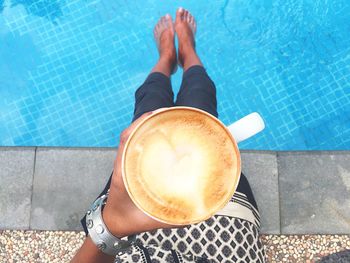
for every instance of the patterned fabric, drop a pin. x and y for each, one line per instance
(232, 235)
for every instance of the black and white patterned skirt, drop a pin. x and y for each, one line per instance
(232, 235)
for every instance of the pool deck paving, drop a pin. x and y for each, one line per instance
(296, 192)
(45, 191)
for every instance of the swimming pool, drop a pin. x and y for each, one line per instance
(69, 69)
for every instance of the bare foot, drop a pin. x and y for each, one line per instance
(164, 37)
(185, 27)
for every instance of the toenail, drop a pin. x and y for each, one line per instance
(180, 9)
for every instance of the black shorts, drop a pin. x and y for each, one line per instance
(197, 90)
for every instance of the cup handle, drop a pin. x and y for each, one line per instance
(246, 127)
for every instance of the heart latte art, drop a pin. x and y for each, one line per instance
(181, 166)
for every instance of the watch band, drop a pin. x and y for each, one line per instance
(99, 233)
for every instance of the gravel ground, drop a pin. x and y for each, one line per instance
(59, 246)
(303, 248)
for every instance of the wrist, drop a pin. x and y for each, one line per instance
(113, 222)
(99, 232)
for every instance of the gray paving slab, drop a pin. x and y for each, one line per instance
(315, 192)
(261, 170)
(16, 178)
(66, 181)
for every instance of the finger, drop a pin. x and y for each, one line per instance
(123, 139)
(124, 136)
(133, 125)
(126, 133)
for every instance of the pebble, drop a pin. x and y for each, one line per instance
(39, 246)
(304, 248)
(60, 246)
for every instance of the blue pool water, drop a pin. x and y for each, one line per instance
(69, 69)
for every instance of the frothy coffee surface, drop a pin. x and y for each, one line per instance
(181, 166)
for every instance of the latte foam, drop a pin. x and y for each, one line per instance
(181, 166)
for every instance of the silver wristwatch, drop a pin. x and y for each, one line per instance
(100, 234)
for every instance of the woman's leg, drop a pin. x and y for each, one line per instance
(156, 91)
(197, 89)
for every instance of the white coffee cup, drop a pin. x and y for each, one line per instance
(246, 127)
(234, 133)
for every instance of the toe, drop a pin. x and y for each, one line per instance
(164, 22)
(156, 34)
(162, 19)
(180, 11)
(185, 16)
(169, 21)
(192, 21)
(158, 24)
(189, 18)
(167, 18)
(179, 14)
(156, 29)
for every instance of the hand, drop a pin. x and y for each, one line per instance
(122, 217)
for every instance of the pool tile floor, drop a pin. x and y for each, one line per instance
(69, 69)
